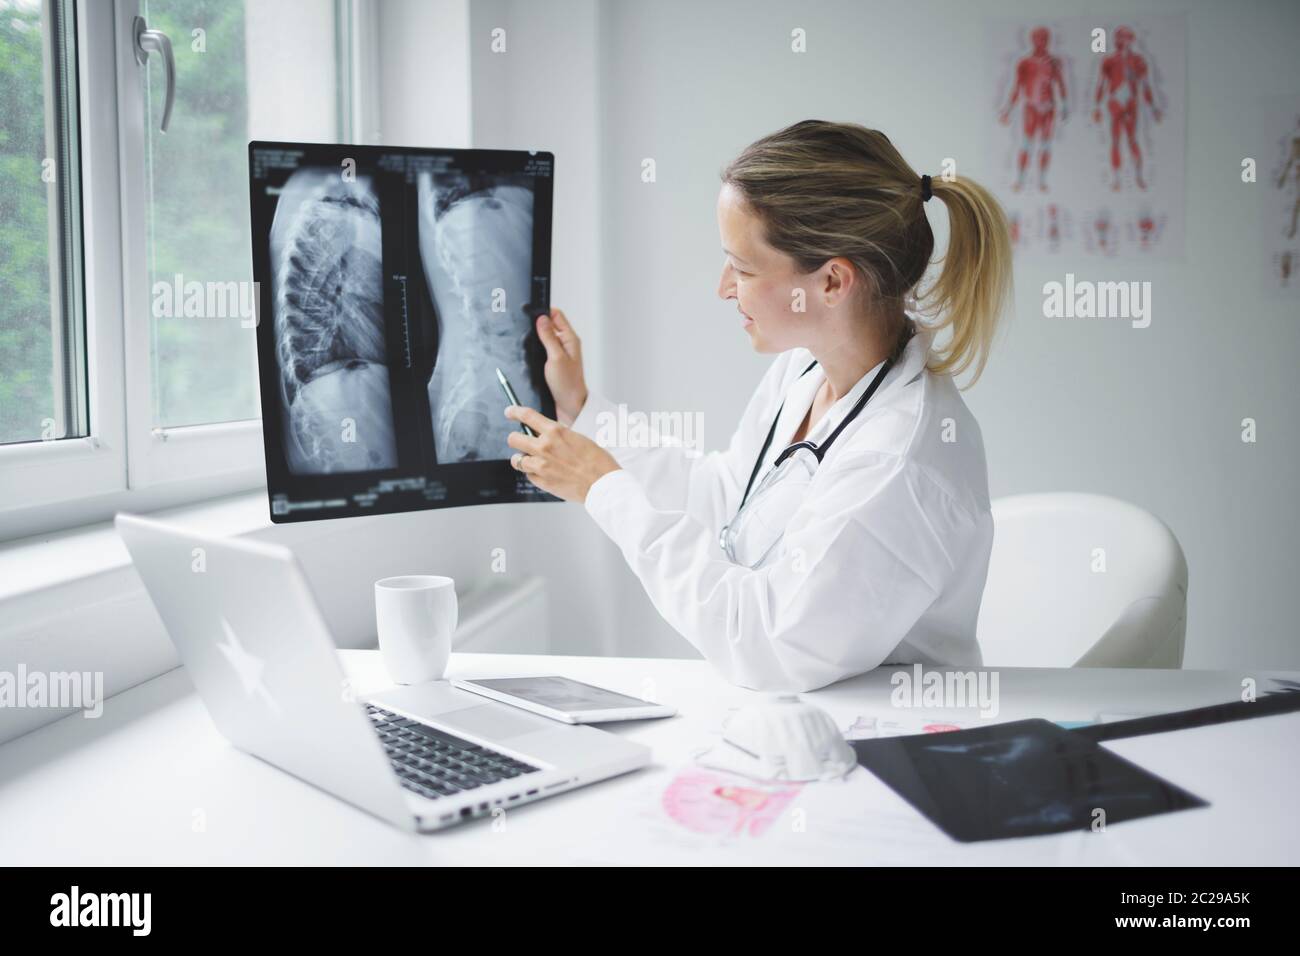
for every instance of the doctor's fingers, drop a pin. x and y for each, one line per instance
(558, 337)
(563, 329)
(525, 443)
(532, 418)
(551, 340)
(528, 464)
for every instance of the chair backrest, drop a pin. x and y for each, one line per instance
(1079, 580)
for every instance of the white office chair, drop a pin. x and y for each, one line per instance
(1049, 603)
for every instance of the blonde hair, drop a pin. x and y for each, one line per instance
(839, 189)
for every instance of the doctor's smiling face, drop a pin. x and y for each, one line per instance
(764, 280)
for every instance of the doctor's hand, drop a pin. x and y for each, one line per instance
(563, 365)
(558, 460)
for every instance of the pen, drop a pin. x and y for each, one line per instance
(510, 394)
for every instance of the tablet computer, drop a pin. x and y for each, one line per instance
(561, 698)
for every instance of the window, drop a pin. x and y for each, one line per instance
(231, 86)
(42, 354)
(203, 371)
(127, 355)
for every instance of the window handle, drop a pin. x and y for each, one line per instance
(155, 41)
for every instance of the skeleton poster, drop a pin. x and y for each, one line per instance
(393, 284)
(1277, 185)
(1087, 133)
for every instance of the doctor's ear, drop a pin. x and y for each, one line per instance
(841, 280)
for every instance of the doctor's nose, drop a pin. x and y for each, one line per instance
(727, 283)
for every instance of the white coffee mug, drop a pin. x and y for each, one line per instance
(416, 615)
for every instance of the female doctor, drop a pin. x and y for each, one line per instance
(847, 523)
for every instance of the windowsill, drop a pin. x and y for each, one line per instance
(33, 564)
(71, 600)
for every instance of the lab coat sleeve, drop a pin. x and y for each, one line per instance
(674, 476)
(867, 554)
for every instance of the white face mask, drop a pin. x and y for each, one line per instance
(782, 738)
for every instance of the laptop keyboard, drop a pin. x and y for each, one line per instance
(434, 763)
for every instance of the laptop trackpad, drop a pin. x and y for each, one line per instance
(495, 721)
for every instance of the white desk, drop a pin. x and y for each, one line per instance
(152, 782)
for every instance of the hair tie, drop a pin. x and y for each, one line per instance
(925, 189)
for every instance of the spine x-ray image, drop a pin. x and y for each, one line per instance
(476, 245)
(397, 281)
(329, 325)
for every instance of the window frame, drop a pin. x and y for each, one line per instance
(40, 473)
(124, 463)
(157, 455)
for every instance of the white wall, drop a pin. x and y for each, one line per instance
(542, 93)
(1152, 416)
(429, 41)
(283, 44)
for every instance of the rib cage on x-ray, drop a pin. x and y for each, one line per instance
(326, 262)
(472, 242)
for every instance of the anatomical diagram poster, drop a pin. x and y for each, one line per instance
(393, 283)
(1087, 133)
(1278, 189)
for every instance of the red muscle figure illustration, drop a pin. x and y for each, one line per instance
(1124, 78)
(1038, 77)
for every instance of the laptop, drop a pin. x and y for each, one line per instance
(423, 757)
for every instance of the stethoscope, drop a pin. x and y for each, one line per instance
(818, 450)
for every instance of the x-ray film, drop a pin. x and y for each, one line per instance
(1023, 778)
(393, 283)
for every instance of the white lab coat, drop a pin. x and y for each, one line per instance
(884, 562)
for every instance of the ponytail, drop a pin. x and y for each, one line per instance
(970, 294)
